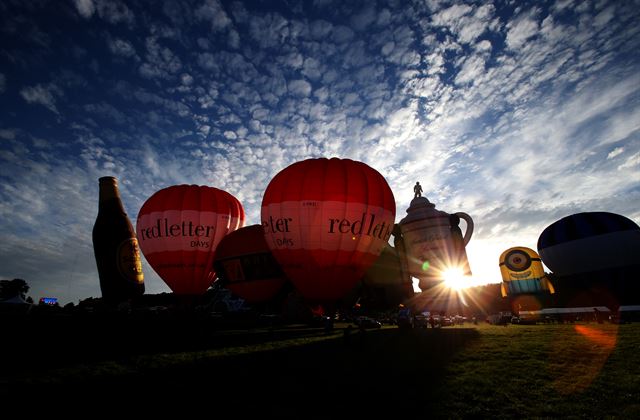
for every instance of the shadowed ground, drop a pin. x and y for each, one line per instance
(284, 370)
(582, 370)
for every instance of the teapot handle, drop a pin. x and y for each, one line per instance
(469, 231)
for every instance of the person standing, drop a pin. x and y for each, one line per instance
(417, 190)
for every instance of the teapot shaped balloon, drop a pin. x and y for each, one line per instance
(434, 243)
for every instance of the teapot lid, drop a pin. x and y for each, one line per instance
(421, 208)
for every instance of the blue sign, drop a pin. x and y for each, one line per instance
(49, 300)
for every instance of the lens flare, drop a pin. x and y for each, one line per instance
(455, 279)
(425, 266)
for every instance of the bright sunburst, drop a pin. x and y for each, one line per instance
(455, 279)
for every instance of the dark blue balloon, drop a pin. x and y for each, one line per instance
(590, 241)
(583, 225)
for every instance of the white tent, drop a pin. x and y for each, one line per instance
(15, 304)
(16, 300)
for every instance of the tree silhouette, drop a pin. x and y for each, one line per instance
(13, 288)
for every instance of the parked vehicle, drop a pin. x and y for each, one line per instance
(421, 321)
(367, 322)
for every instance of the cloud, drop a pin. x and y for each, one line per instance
(472, 69)
(517, 120)
(113, 11)
(8, 134)
(121, 47)
(107, 112)
(632, 162)
(42, 95)
(299, 88)
(70, 275)
(270, 30)
(615, 152)
(604, 17)
(213, 12)
(40, 229)
(558, 139)
(86, 8)
(466, 22)
(342, 34)
(364, 18)
(160, 62)
(451, 15)
(521, 30)
(233, 39)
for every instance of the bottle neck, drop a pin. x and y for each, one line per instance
(110, 195)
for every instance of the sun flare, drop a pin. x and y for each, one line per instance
(455, 279)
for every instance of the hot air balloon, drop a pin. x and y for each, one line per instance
(433, 243)
(179, 228)
(386, 282)
(246, 266)
(590, 241)
(594, 256)
(326, 221)
(523, 273)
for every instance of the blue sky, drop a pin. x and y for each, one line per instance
(517, 113)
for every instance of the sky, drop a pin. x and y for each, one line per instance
(517, 113)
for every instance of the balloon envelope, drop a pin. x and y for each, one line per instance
(522, 272)
(179, 228)
(386, 281)
(590, 241)
(386, 270)
(245, 264)
(326, 221)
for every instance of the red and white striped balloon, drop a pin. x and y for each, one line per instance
(179, 228)
(326, 221)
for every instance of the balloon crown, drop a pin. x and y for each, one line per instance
(421, 208)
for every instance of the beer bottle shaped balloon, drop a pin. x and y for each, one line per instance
(116, 247)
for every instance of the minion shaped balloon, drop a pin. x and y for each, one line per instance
(522, 273)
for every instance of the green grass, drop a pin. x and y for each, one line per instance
(581, 370)
(541, 371)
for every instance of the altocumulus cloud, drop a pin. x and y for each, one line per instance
(517, 115)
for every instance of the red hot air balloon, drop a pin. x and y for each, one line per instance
(326, 221)
(179, 228)
(245, 264)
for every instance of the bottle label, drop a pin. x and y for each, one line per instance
(129, 262)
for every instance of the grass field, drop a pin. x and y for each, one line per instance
(484, 371)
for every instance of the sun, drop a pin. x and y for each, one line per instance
(455, 279)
